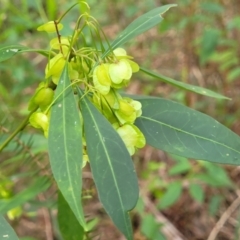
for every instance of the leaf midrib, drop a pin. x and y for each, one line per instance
(126, 35)
(66, 156)
(109, 162)
(188, 133)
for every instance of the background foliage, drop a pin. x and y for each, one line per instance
(197, 43)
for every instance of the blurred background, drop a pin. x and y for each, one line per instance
(198, 43)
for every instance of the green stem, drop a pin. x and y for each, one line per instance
(18, 129)
(59, 20)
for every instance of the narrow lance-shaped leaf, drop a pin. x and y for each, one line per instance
(139, 25)
(65, 145)
(6, 52)
(9, 51)
(6, 231)
(68, 224)
(112, 167)
(180, 130)
(185, 86)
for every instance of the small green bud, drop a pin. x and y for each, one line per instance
(55, 66)
(40, 120)
(43, 98)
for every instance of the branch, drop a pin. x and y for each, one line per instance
(168, 229)
(225, 216)
(18, 129)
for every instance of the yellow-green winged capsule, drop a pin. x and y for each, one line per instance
(63, 45)
(101, 79)
(128, 110)
(120, 71)
(132, 137)
(136, 105)
(50, 27)
(120, 53)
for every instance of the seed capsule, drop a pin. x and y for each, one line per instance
(50, 27)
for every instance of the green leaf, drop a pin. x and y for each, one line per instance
(208, 44)
(65, 145)
(40, 185)
(182, 166)
(6, 231)
(28, 238)
(9, 51)
(212, 8)
(233, 74)
(150, 228)
(208, 179)
(216, 176)
(214, 204)
(196, 192)
(112, 167)
(68, 224)
(172, 194)
(140, 25)
(185, 86)
(180, 130)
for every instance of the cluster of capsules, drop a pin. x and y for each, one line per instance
(102, 78)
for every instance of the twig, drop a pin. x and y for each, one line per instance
(18, 129)
(47, 219)
(168, 229)
(225, 216)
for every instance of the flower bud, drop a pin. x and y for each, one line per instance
(32, 105)
(43, 98)
(40, 120)
(55, 66)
